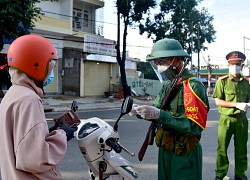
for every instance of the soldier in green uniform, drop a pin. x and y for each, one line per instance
(232, 94)
(181, 121)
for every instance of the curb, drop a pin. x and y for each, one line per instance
(60, 105)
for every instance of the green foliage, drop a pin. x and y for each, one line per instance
(181, 20)
(133, 10)
(147, 70)
(17, 17)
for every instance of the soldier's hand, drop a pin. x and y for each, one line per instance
(133, 111)
(148, 112)
(243, 106)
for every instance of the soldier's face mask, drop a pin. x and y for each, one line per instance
(164, 68)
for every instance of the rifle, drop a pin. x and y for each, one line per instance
(149, 139)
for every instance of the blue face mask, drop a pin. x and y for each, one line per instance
(50, 79)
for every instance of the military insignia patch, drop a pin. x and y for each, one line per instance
(187, 98)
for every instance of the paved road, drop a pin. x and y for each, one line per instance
(132, 132)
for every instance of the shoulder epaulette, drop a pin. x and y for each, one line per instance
(223, 77)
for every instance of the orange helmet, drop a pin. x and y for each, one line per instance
(31, 55)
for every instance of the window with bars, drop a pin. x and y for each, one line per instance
(85, 18)
(80, 19)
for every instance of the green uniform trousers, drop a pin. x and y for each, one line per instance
(228, 126)
(173, 167)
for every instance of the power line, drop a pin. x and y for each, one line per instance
(204, 58)
(213, 58)
(77, 17)
(128, 45)
(217, 57)
(82, 41)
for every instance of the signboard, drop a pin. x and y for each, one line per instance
(99, 45)
(212, 67)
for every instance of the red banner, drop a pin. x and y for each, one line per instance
(195, 108)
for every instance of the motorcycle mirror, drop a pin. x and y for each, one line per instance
(126, 108)
(127, 105)
(74, 106)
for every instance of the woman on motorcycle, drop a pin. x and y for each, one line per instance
(28, 150)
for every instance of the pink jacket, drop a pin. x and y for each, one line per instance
(27, 150)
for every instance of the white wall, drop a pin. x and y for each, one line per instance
(59, 9)
(142, 86)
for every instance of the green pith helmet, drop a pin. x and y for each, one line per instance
(166, 48)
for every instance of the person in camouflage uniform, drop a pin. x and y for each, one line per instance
(182, 120)
(232, 94)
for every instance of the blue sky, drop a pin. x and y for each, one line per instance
(231, 21)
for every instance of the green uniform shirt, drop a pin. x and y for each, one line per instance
(229, 89)
(174, 117)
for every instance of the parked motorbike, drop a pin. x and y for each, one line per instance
(99, 143)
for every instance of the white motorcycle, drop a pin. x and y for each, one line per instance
(99, 144)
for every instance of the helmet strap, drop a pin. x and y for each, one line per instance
(40, 85)
(177, 64)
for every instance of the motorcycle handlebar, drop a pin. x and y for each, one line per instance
(114, 145)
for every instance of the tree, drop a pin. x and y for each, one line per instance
(181, 20)
(147, 70)
(17, 18)
(131, 11)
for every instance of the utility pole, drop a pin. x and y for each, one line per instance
(244, 44)
(209, 72)
(247, 62)
(192, 41)
(199, 48)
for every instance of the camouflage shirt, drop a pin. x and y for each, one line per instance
(174, 116)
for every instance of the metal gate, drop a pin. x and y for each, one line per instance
(96, 78)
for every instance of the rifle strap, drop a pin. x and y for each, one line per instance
(176, 91)
(176, 102)
(179, 81)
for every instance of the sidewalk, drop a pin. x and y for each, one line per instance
(61, 103)
(55, 103)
